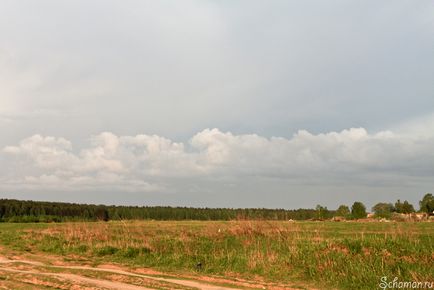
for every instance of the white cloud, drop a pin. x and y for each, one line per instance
(149, 162)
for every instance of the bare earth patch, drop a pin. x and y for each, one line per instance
(41, 274)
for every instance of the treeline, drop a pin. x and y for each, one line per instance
(386, 210)
(12, 210)
(37, 211)
(380, 210)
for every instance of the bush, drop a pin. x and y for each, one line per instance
(107, 251)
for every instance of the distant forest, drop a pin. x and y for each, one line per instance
(37, 211)
(12, 210)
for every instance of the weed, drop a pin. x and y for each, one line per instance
(348, 255)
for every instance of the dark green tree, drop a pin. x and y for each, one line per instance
(343, 211)
(383, 209)
(403, 207)
(358, 210)
(101, 213)
(322, 212)
(427, 203)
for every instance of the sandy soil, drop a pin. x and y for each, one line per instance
(9, 265)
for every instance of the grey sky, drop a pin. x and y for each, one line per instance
(75, 69)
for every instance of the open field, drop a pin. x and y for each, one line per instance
(203, 254)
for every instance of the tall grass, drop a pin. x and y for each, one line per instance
(344, 255)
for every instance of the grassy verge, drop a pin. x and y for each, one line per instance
(346, 255)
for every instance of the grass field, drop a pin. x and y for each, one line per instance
(322, 255)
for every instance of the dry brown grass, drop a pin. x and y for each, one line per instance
(340, 253)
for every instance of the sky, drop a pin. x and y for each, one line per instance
(277, 104)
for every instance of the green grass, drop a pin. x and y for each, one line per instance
(347, 255)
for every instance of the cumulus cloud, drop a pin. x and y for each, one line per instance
(149, 162)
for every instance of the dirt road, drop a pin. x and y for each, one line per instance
(80, 280)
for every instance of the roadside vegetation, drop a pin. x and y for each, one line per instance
(350, 255)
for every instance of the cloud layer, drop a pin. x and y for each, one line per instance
(172, 68)
(150, 163)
